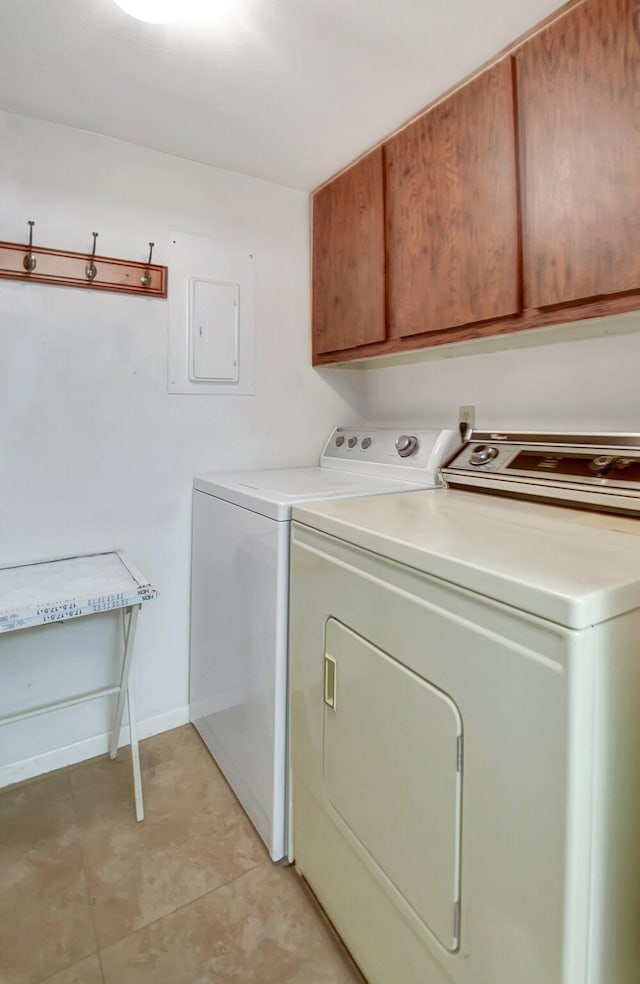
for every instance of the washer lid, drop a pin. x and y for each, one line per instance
(273, 493)
(571, 567)
(354, 462)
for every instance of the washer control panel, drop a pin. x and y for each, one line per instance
(405, 444)
(408, 453)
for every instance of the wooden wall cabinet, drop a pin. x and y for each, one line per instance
(348, 258)
(452, 211)
(579, 103)
(511, 204)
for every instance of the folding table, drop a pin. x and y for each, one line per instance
(67, 587)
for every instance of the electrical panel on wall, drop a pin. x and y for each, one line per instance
(211, 317)
(213, 331)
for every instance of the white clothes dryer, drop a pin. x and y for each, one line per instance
(465, 716)
(240, 599)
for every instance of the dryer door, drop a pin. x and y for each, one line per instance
(393, 772)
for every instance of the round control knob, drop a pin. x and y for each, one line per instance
(406, 445)
(482, 454)
(366, 443)
(339, 440)
(602, 461)
(351, 443)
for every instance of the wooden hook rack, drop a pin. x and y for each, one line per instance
(55, 266)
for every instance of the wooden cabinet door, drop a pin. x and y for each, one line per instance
(452, 211)
(348, 258)
(579, 99)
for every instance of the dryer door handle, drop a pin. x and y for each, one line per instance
(330, 674)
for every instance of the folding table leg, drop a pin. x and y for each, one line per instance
(135, 751)
(129, 637)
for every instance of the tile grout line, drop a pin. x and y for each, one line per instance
(101, 968)
(179, 908)
(85, 878)
(94, 953)
(100, 949)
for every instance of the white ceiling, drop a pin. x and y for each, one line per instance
(286, 90)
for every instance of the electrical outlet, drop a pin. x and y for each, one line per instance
(466, 420)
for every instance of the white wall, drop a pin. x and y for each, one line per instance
(94, 453)
(554, 379)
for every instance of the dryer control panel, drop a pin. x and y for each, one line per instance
(599, 471)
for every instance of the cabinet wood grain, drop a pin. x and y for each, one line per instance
(348, 258)
(452, 211)
(579, 104)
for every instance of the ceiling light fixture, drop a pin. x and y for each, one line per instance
(153, 11)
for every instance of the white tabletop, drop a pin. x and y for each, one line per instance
(67, 587)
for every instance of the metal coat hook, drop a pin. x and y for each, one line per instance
(29, 261)
(91, 270)
(145, 279)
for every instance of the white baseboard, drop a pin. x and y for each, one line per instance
(57, 758)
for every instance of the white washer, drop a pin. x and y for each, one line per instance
(465, 716)
(239, 599)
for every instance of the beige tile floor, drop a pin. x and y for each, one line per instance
(189, 896)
